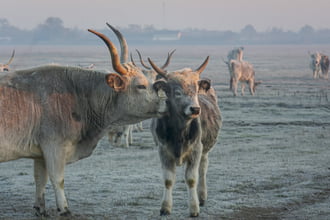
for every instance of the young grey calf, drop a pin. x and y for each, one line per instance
(187, 133)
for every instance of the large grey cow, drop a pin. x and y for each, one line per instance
(319, 63)
(56, 115)
(187, 133)
(5, 67)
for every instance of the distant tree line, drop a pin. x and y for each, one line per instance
(52, 31)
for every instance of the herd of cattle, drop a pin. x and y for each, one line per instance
(56, 115)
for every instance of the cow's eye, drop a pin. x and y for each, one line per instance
(177, 93)
(141, 87)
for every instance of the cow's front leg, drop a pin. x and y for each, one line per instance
(251, 86)
(169, 180)
(40, 178)
(191, 181)
(242, 88)
(55, 161)
(234, 84)
(202, 187)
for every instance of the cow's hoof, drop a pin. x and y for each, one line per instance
(40, 213)
(164, 212)
(201, 202)
(196, 214)
(65, 213)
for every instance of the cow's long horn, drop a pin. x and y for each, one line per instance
(157, 69)
(201, 68)
(113, 52)
(123, 44)
(11, 58)
(169, 55)
(141, 61)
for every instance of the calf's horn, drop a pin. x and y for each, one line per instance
(157, 69)
(203, 66)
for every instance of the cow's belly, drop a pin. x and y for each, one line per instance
(12, 152)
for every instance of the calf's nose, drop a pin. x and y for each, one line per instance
(195, 110)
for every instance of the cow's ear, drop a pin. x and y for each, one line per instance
(117, 82)
(204, 84)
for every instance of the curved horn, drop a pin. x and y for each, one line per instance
(169, 55)
(141, 61)
(202, 67)
(11, 58)
(114, 53)
(132, 59)
(123, 44)
(157, 69)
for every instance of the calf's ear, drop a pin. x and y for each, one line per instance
(160, 84)
(204, 84)
(117, 82)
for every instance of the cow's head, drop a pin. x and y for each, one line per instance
(5, 67)
(182, 89)
(236, 54)
(138, 96)
(315, 59)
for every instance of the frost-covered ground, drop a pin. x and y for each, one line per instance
(271, 160)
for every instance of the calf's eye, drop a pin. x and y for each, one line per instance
(141, 87)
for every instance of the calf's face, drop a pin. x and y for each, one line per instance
(182, 91)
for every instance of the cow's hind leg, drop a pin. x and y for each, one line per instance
(202, 187)
(55, 163)
(40, 178)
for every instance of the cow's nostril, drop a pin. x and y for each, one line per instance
(195, 110)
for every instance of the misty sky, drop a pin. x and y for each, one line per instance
(173, 14)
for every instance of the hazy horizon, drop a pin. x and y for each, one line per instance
(171, 14)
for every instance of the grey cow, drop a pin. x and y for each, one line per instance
(187, 133)
(56, 115)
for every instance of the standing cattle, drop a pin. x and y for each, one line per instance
(56, 115)
(319, 62)
(187, 133)
(5, 67)
(240, 71)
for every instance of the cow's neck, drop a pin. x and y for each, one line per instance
(181, 133)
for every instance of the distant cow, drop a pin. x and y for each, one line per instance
(319, 62)
(187, 133)
(57, 114)
(240, 71)
(5, 67)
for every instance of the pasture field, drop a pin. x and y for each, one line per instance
(271, 161)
